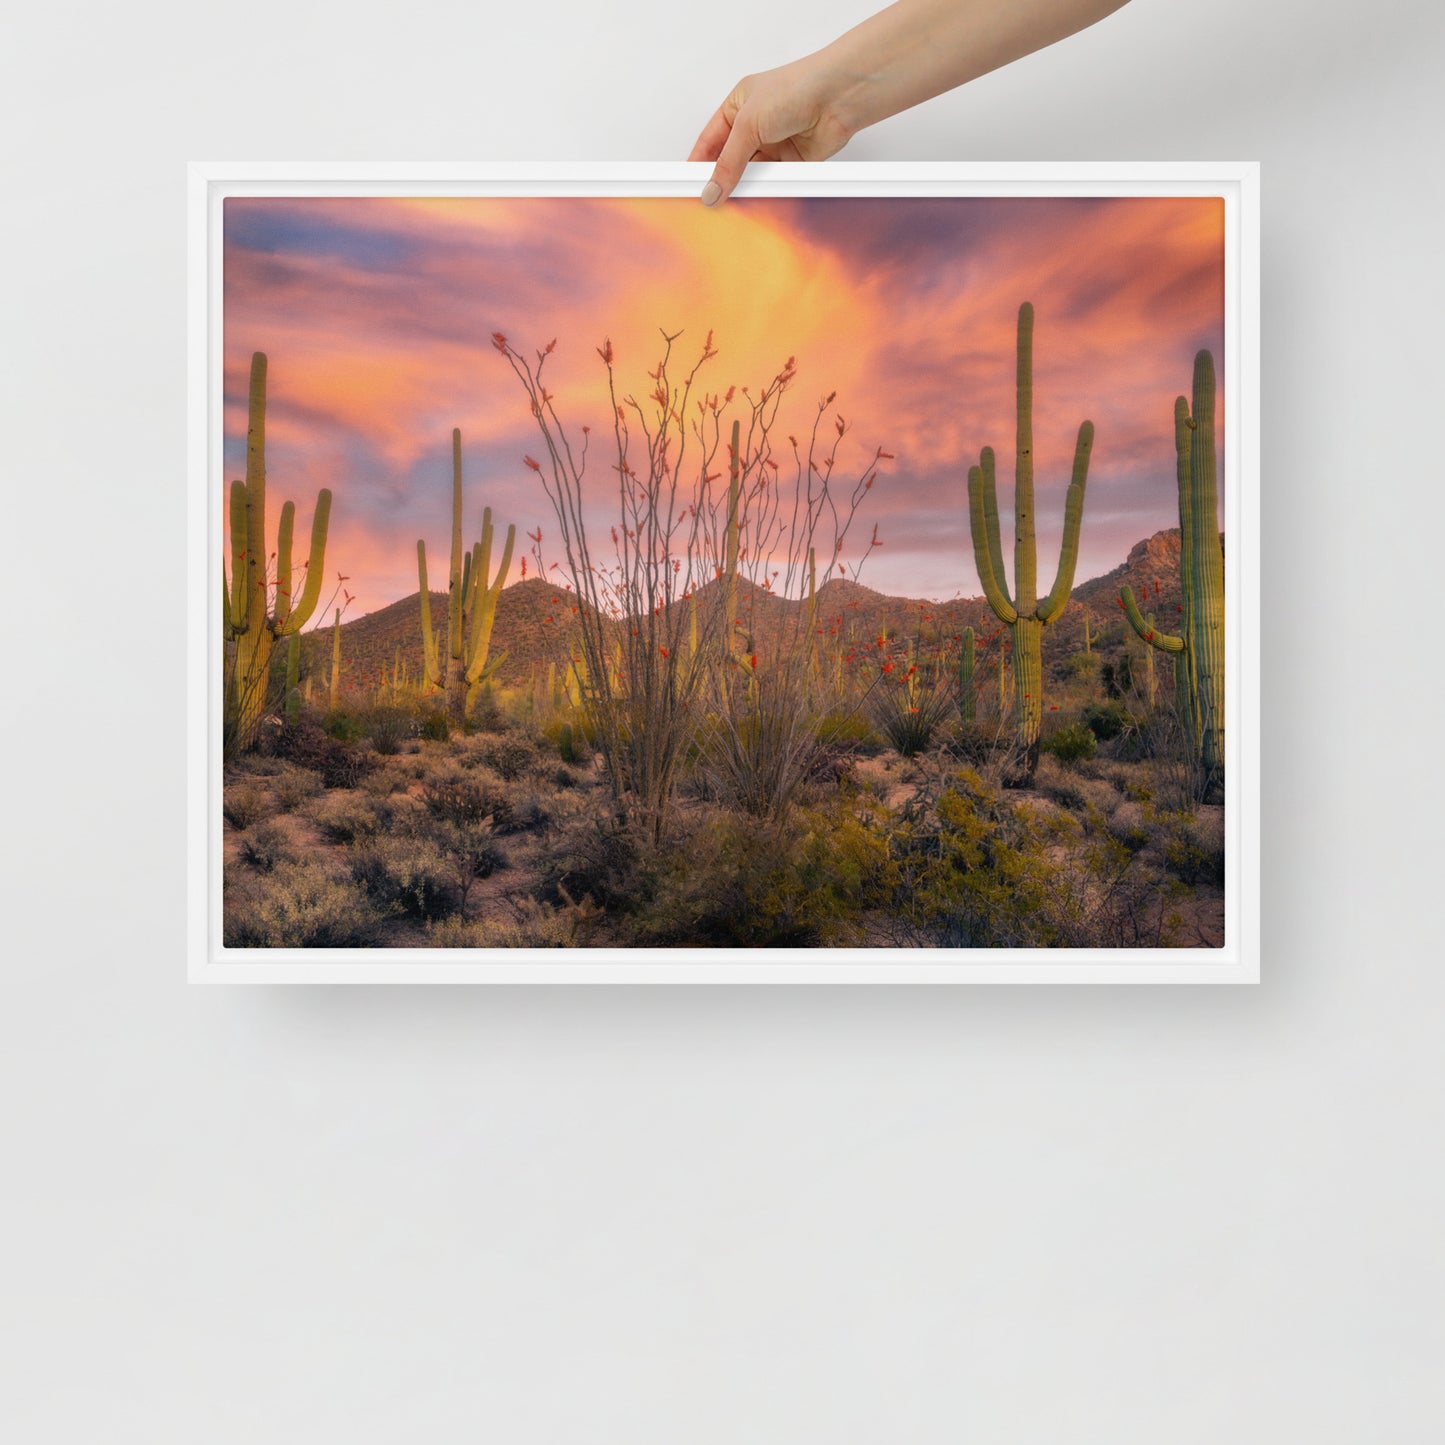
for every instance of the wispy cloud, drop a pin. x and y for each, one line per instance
(376, 316)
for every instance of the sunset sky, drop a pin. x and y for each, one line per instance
(376, 316)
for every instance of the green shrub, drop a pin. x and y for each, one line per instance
(804, 880)
(1071, 743)
(343, 725)
(436, 727)
(1081, 665)
(851, 731)
(407, 875)
(388, 728)
(296, 905)
(1107, 720)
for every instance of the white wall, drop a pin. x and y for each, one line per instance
(715, 1216)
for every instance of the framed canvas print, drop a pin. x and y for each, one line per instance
(856, 583)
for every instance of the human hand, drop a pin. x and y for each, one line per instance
(903, 55)
(785, 114)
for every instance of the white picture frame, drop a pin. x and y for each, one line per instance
(1235, 183)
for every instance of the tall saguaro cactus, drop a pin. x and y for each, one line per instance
(1198, 649)
(471, 604)
(259, 608)
(1023, 614)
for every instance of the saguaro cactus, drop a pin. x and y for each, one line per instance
(1198, 648)
(1023, 614)
(254, 616)
(965, 675)
(431, 671)
(472, 595)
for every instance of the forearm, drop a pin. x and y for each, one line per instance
(917, 49)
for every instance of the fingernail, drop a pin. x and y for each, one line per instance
(711, 193)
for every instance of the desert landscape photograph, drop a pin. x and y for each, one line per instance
(816, 573)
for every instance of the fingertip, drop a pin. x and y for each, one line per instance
(712, 194)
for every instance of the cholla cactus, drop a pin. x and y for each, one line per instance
(259, 608)
(1023, 614)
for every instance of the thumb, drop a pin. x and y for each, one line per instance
(740, 147)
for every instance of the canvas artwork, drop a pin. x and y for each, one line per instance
(827, 572)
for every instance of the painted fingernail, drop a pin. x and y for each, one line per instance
(711, 193)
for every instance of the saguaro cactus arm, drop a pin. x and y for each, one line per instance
(238, 609)
(299, 612)
(1164, 641)
(978, 510)
(1052, 607)
(990, 514)
(455, 599)
(255, 570)
(430, 666)
(283, 561)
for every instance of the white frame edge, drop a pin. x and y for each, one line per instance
(1236, 182)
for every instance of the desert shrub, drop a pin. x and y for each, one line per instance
(1107, 720)
(602, 861)
(388, 728)
(466, 799)
(1072, 789)
(297, 904)
(509, 755)
(975, 741)
(972, 871)
(1189, 846)
(348, 817)
(436, 727)
(526, 924)
(564, 777)
(344, 725)
(1081, 665)
(309, 746)
(386, 780)
(851, 731)
(245, 803)
(805, 879)
(293, 786)
(1070, 743)
(266, 845)
(406, 875)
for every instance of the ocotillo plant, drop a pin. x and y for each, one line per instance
(1023, 614)
(1199, 647)
(965, 675)
(336, 659)
(258, 609)
(679, 532)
